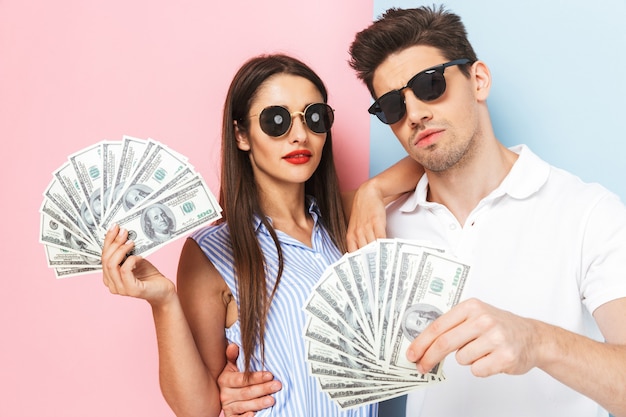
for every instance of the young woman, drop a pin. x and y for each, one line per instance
(246, 279)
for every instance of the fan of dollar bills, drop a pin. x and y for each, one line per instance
(365, 311)
(142, 185)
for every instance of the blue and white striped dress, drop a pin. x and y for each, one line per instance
(284, 341)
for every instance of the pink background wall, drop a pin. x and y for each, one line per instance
(74, 72)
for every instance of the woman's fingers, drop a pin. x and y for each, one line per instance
(114, 252)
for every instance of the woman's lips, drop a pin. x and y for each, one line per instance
(298, 157)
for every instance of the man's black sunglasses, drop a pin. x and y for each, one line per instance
(427, 85)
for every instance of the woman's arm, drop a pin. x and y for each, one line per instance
(188, 371)
(192, 359)
(365, 207)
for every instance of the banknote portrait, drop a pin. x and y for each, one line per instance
(135, 194)
(95, 205)
(87, 217)
(417, 317)
(157, 222)
(79, 245)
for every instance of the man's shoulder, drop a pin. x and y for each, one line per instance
(567, 185)
(560, 183)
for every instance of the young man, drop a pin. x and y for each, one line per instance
(548, 252)
(540, 331)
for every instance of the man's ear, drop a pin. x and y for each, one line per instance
(482, 76)
(242, 138)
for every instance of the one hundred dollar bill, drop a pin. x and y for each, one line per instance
(381, 384)
(326, 371)
(385, 264)
(160, 167)
(74, 271)
(339, 292)
(318, 331)
(318, 353)
(350, 274)
(68, 179)
(49, 208)
(111, 153)
(435, 287)
(63, 258)
(363, 399)
(401, 280)
(55, 234)
(134, 151)
(317, 307)
(87, 164)
(174, 215)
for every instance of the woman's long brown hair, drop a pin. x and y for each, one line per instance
(240, 201)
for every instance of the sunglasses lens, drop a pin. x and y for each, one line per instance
(319, 117)
(428, 86)
(275, 121)
(392, 107)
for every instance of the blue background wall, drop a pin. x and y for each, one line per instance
(558, 86)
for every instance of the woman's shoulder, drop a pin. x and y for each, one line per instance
(214, 232)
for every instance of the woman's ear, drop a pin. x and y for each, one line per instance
(482, 76)
(242, 138)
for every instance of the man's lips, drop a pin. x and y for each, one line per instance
(298, 157)
(427, 137)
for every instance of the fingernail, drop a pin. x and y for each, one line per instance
(410, 355)
(112, 226)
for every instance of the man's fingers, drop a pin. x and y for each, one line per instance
(256, 391)
(237, 401)
(232, 353)
(239, 381)
(241, 396)
(438, 339)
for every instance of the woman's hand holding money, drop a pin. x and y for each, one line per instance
(132, 275)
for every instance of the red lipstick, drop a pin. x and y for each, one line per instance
(301, 156)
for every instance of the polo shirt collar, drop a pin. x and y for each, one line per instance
(528, 174)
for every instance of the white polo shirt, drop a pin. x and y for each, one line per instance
(543, 245)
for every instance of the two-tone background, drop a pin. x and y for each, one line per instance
(74, 72)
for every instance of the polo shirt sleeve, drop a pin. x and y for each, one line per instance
(603, 268)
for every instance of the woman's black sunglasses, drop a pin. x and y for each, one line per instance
(427, 85)
(276, 120)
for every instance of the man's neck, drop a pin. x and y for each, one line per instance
(462, 187)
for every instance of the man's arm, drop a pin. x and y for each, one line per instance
(241, 397)
(595, 369)
(493, 341)
(365, 207)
